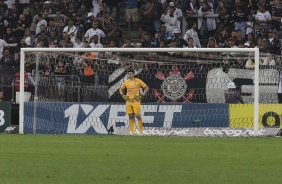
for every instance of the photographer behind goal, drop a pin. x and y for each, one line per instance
(232, 96)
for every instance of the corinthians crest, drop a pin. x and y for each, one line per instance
(174, 86)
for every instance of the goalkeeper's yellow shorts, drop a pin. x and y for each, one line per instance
(133, 107)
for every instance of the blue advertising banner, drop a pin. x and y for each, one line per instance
(97, 118)
(5, 115)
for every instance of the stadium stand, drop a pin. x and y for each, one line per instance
(135, 23)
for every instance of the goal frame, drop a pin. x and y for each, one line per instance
(245, 50)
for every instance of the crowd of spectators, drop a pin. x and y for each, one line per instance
(95, 24)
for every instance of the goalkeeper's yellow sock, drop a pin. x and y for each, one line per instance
(131, 125)
(140, 126)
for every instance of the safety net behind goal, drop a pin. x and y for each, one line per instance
(77, 92)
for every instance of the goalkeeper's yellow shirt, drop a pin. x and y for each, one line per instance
(133, 87)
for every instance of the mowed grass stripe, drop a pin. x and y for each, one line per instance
(125, 159)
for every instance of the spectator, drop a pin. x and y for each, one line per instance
(114, 59)
(9, 36)
(263, 17)
(221, 8)
(165, 35)
(146, 41)
(88, 72)
(268, 60)
(177, 13)
(213, 4)
(273, 43)
(71, 30)
(16, 62)
(264, 48)
(40, 21)
(114, 32)
(60, 21)
(5, 66)
(156, 40)
(55, 4)
(158, 10)
(112, 5)
(169, 20)
(19, 27)
(97, 5)
(60, 70)
(180, 42)
(42, 35)
(3, 8)
(206, 25)
(28, 17)
(231, 44)
(190, 43)
(3, 26)
(262, 34)
(79, 23)
(240, 18)
(147, 15)
(78, 43)
(250, 24)
(53, 40)
(47, 9)
(192, 33)
(240, 37)
(95, 44)
(70, 12)
(88, 24)
(28, 38)
(252, 7)
(276, 18)
(20, 44)
(128, 44)
(23, 4)
(226, 19)
(94, 31)
(250, 41)
(66, 37)
(131, 11)
(89, 55)
(105, 23)
(13, 15)
(52, 27)
(175, 54)
(100, 14)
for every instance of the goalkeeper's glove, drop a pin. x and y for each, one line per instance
(125, 97)
(138, 97)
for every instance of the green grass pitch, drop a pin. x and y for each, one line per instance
(124, 159)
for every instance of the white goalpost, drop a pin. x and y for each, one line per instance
(109, 109)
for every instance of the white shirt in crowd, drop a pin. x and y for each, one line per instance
(192, 34)
(77, 45)
(41, 22)
(177, 14)
(91, 32)
(96, 9)
(71, 30)
(10, 2)
(263, 16)
(3, 44)
(98, 45)
(170, 22)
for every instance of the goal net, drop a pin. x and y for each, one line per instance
(76, 91)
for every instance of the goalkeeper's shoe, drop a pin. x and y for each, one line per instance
(138, 97)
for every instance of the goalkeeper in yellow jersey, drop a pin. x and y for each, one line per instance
(133, 99)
